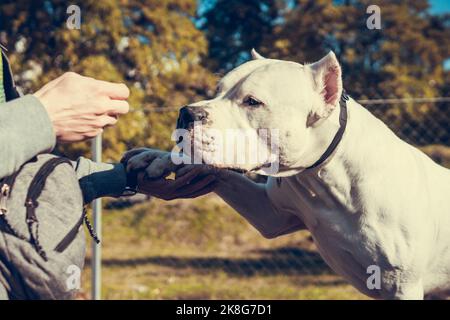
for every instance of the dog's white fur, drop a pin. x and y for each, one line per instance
(375, 201)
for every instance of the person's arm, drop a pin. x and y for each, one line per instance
(79, 108)
(25, 131)
(252, 202)
(100, 179)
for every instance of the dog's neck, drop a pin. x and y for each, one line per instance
(320, 142)
(338, 135)
(354, 159)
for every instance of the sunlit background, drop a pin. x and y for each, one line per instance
(172, 52)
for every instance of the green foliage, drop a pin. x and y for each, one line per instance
(151, 45)
(166, 53)
(402, 60)
(234, 27)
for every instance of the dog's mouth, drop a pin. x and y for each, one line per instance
(207, 148)
(217, 165)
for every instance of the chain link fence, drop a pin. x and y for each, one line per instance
(202, 249)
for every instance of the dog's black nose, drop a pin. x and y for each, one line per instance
(188, 115)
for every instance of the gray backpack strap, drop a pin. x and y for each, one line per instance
(62, 245)
(6, 186)
(35, 189)
(31, 201)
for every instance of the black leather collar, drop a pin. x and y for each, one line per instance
(337, 138)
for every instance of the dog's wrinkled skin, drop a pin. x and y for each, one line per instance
(375, 201)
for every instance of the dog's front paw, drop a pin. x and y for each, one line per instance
(155, 163)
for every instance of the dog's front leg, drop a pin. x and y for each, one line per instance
(251, 201)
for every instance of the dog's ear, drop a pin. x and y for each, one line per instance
(256, 55)
(327, 75)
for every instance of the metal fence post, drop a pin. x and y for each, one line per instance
(96, 262)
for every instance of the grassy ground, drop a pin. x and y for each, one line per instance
(201, 249)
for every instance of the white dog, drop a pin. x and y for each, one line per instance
(368, 198)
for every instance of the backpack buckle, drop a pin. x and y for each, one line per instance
(4, 194)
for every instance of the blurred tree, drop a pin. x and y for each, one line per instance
(152, 45)
(234, 27)
(403, 59)
(157, 48)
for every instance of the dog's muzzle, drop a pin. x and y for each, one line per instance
(188, 115)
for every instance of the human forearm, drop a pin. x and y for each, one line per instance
(250, 200)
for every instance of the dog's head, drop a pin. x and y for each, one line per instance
(264, 114)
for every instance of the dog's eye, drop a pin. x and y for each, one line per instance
(252, 102)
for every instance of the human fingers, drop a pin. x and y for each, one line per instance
(160, 188)
(103, 121)
(142, 160)
(184, 169)
(115, 107)
(116, 91)
(199, 168)
(160, 167)
(188, 177)
(104, 105)
(93, 133)
(207, 189)
(195, 185)
(131, 153)
(74, 137)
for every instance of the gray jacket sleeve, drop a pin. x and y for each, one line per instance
(26, 131)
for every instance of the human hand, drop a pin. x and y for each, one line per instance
(80, 107)
(191, 185)
(149, 168)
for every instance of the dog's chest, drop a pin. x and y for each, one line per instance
(322, 206)
(331, 218)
